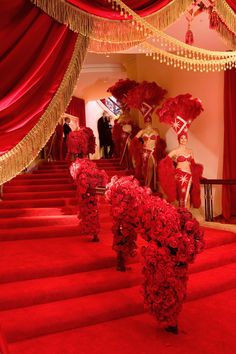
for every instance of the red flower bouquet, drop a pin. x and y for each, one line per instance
(81, 143)
(175, 239)
(125, 196)
(87, 177)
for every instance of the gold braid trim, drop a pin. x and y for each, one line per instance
(19, 157)
(108, 47)
(226, 14)
(106, 30)
(228, 36)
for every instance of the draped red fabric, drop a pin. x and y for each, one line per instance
(103, 9)
(77, 109)
(35, 52)
(232, 4)
(229, 167)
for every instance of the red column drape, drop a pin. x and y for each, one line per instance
(229, 166)
(77, 108)
(35, 52)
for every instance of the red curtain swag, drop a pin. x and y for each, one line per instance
(229, 165)
(35, 56)
(77, 109)
(232, 4)
(102, 8)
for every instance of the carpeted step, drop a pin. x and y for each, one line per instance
(36, 181)
(39, 291)
(52, 170)
(214, 237)
(24, 323)
(38, 203)
(45, 257)
(34, 233)
(29, 212)
(38, 188)
(207, 326)
(39, 195)
(38, 221)
(41, 176)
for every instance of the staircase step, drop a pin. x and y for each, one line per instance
(39, 291)
(38, 221)
(22, 259)
(31, 203)
(38, 188)
(39, 195)
(204, 321)
(23, 323)
(29, 212)
(39, 182)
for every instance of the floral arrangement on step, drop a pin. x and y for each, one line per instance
(87, 177)
(125, 196)
(174, 239)
(81, 143)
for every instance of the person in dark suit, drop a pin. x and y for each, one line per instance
(66, 130)
(104, 134)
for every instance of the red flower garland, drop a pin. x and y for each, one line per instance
(174, 240)
(81, 142)
(88, 177)
(125, 195)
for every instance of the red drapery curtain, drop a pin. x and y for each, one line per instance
(77, 108)
(229, 166)
(232, 4)
(103, 9)
(35, 52)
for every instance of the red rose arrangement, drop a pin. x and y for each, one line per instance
(87, 177)
(125, 196)
(174, 239)
(81, 143)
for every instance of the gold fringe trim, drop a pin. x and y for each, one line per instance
(19, 157)
(109, 30)
(228, 36)
(106, 47)
(226, 14)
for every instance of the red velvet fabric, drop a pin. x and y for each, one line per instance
(35, 52)
(103, 9)
(232, 4)
(229, 167)
(77, 108)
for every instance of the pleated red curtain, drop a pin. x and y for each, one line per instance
(229, 165)
(77, 109)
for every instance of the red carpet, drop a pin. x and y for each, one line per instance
(60, 293)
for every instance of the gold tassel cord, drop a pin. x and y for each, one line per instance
(106, 29)
(19, 157)
(226, 14)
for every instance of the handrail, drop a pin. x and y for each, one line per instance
(208, 193)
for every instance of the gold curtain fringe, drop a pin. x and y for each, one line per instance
(226, 14)
(19, 157)
(228, 36)
(66, 14)
(169, 14)
(112, 47)
(106, 29)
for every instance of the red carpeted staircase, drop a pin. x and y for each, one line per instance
(60, 293)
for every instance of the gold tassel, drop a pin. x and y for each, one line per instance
(226, 14)
(19, 157)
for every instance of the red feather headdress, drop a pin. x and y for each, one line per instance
(179, 112)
